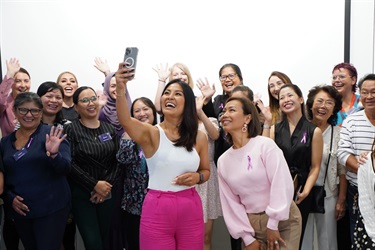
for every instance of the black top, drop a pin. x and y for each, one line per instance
(69, 113)
(93, 158)
(297, 148)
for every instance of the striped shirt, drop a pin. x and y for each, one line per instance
(356, 136)
(92, 158)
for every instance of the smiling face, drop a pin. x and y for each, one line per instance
(343, 81)
(21, 83)
(233, 117)
(229, 79)
(322, 108)
(368, 95)
(69, 84)
(274, 85)
(142, 112)
(28, 115)
(52, 102)
(112, 88)
(88, 104)
(289, 100)
(173, 100)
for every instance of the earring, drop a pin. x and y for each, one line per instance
(244, 128)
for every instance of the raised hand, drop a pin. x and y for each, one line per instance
(13, 66)
(205, 88)
(53, 140)
(122, 77)
(163, 71)
(199, 101)
(102, 65)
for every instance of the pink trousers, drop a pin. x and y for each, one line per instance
(172, 221)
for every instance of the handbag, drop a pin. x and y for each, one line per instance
(318, 193)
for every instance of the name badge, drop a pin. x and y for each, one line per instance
(105, 137)
(19, 154)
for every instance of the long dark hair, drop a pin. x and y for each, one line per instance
(46, 87)
(188, 128)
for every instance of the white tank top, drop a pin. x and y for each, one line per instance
(168, 162)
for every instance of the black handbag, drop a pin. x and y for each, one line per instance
(318, 193)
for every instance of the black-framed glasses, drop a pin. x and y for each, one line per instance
(33, 112)
(87, 100)
(224, 77)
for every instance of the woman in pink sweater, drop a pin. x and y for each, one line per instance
(16, 80)
(256, 188)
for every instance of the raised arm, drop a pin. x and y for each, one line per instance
(212, 129)
(163, 74)
(102, 66)
(141, 132)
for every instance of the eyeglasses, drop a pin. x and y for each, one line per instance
(340, 77)
(33, 112)
(327, 103)
(87, 100)
(366, 93)
(230, 76)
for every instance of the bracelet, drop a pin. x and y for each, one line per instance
(201, 178)
(119, 95)
(162, 80)
(51, 154)
(266, 127)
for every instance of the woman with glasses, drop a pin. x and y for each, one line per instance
(344, 79)
(302, 144)
(323, 103)
(36, 161)
(94, 145)
(17, 80)
(230, 76)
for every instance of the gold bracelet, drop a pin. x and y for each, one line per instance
(120, 95)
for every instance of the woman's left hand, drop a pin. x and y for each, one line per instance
(300, 197)
(187, 179)
(340, 210)
(54, 139)
(274, 239)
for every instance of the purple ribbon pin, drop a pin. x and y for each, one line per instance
(248, 162)
(221, 105)
(304, 138)
(141, 153)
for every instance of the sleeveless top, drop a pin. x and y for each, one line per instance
(296, 147)
(168, 162)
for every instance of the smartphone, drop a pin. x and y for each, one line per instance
(130, 57)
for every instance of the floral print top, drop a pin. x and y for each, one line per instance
(136, 176)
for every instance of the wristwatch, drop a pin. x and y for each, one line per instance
(201, 178)
(49, 154)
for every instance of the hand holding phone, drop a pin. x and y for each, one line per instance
(130, 59)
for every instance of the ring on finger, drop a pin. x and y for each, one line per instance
(276, 242)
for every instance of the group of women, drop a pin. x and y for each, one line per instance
(95, 160)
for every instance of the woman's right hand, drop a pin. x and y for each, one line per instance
(205, 88)
(362, 158)
(122, 76)
(19, 206)
(163, 72)
(266, 111)
(13, 66)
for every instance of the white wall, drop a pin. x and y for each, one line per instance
(362, 36)
(303, 39)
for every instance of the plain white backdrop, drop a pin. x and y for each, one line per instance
(303, 39)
